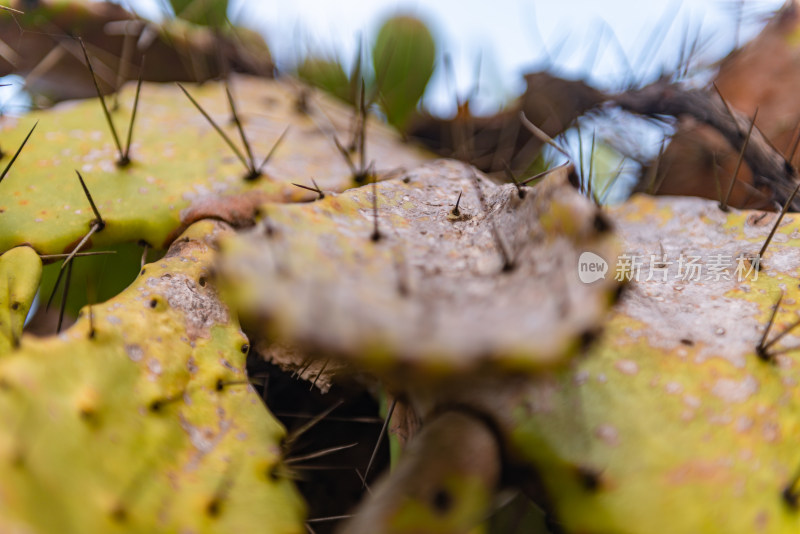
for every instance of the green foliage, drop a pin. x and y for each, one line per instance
(328, 75)
(201, 12)
(403, 56)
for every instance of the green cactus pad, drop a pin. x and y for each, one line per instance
(20, 273)
(433, 294)
(403, 58)
(675, 421)
(139, 418)
(181, 171)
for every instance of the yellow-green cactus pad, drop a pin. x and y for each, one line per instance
(437, 291)
(677, 421)
(139, 418)
(181, 170)
(20, 273)
(443, 484)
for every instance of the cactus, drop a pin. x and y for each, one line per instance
(376, 274)
(20, 272)
(390, 277)
(142, 409)
(403, 57)
(688, 400)
(456, 297)
(181, 170)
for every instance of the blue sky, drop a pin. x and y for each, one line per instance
(510, 36)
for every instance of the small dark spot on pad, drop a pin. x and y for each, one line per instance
(442, 501)
(601, 223)
(214, 507)
(687, 342)
(589, 478)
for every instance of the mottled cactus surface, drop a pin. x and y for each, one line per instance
(140, 418)
(398, 276)
(684, 416)
(181, 169)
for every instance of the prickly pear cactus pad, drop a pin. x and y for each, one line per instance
(686, 413)
(395, 275)
(20, 272)
(139, 418)
(181, 169)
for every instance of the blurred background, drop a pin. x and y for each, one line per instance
(601, 41)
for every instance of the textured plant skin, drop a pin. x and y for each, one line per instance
(673, 417)
(181, 171)
(436, 494)
(311, 275)
(20, 273)
(139, 418)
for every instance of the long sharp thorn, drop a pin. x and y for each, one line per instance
(716, 176)
(100, 223)
(273, 149)
(315, 189)
(542, 174)
(775, 226)
(346, 155)
(294, 434)
(82, 242)
(238, 123)
(216, 127)
(45, 257)
(794, 146)
(386, 421)
(319, 454)
(321, 194)
(126, 157)
(325, 519)
(456, 212)
(781, 335)
(10, 163)
(64, 299)
(362, 136)
(511, 176)
(724, 205)
(591, 167)
(145, 250)
(55, 288)
(724, 102)
(12, 10)
(319, 374)
(102, 101)
(582, 174)
(542, 136)
(761, 347)
(508, 262)
(376, 234)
